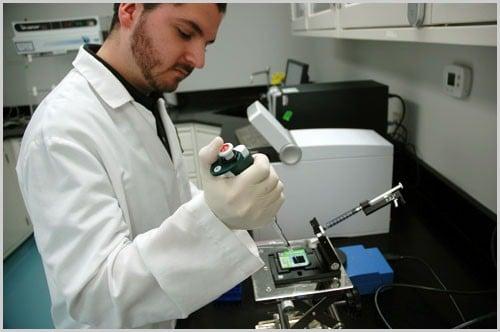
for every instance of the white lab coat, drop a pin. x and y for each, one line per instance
(125, 241)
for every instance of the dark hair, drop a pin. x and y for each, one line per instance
(149, 7)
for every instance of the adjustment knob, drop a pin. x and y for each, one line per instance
(243, 150)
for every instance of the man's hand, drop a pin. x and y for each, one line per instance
(247, 201)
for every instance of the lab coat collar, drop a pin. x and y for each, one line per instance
(101, 79)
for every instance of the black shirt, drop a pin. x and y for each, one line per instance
(148, 101)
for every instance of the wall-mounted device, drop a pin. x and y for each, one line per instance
(55, 36)
(457, 80)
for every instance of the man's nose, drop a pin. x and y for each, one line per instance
(196, 55)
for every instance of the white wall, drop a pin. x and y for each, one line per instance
(251, 37)
(456, 137)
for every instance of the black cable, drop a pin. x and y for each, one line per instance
(462, 317)
(475, 320)
(400, 122)
(379, 311)
(403, 134)
(395, 135)
(404, 110)
(399, 137)
(425, 288)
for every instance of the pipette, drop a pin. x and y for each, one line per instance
(233, 161)
(280, 232)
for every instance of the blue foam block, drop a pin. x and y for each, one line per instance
(232, 295)
(367, 268)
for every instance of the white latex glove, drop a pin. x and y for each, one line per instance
(246, 201)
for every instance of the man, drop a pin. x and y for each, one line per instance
(126, 241)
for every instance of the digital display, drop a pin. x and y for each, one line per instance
(451, 79)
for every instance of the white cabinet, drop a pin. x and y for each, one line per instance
(321, 15)
(16, 223)
(299, 16)
(458, 13)
(375, 15)
(447, 23)
(192, 137)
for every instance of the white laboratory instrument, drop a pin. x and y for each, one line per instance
(55, 36)
(324, 171)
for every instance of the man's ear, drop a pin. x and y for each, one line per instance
(128, 13)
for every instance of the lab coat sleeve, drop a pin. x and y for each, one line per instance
(241, 234)
(108, 279)
(194, 189)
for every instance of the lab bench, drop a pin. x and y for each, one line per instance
(424, 228)
(412, 234)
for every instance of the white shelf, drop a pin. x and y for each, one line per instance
(480, 35)
(460, 24)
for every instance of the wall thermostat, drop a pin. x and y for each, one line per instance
(457, 80)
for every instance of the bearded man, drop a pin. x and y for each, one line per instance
(125, 239)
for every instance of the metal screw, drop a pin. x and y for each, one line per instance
(268, 289)
(335, 266)
(217, 169)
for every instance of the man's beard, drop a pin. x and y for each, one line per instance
(146, 57)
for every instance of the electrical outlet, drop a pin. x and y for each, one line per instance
(395, 110)
(395, 116)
